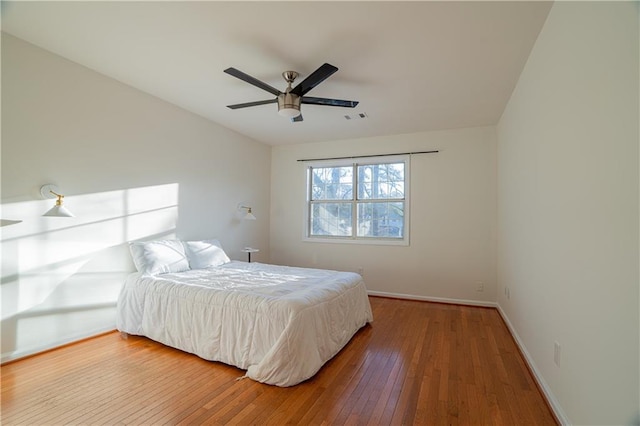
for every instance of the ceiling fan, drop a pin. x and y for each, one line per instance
(289, 101)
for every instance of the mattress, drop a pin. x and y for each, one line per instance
(279, 323)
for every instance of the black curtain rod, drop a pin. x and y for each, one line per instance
(368, 156)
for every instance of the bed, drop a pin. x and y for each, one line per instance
(281, 324)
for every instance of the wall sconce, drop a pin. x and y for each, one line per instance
(50, 191)
(249, 215)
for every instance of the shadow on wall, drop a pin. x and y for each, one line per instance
(61, 275)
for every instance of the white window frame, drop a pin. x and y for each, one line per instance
(354, 239)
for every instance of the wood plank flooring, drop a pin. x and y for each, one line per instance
(418, 363)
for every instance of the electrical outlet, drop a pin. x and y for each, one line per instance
(507, 292)
(479, 286)
(556, 353)
(361, 270)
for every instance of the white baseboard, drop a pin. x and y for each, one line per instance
(12, 356)
(553, 401)
(434, 299)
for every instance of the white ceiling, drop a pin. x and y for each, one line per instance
(414, 66)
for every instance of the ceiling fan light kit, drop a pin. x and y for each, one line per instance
(289, 105)
(290, 100)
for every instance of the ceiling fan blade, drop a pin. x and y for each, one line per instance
(315, 78)
(252, 80)
(296, 119)
(329, 102)
(255, 103)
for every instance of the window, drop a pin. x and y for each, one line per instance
(358, 201)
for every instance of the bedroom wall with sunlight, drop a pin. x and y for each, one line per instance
(54, 277)
(131, 167)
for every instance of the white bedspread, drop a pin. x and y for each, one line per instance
(279, 323)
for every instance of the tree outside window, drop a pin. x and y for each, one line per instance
(375, 210)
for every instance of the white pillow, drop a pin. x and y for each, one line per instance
(204, 254)
(159, 257)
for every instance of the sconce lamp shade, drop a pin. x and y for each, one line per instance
(58, 210)
(249, 215)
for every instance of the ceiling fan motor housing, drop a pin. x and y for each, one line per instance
(289, 105)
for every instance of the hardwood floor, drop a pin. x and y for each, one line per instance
(418, 363)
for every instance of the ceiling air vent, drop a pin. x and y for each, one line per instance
(359, 115)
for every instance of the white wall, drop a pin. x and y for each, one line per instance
(568, 210)
(453, 216)
(131, 167)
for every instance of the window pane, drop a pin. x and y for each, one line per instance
(332, 183)
(381, 181)
(333, 219)
(381, 220)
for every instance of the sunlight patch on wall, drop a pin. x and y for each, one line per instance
(47, 262)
